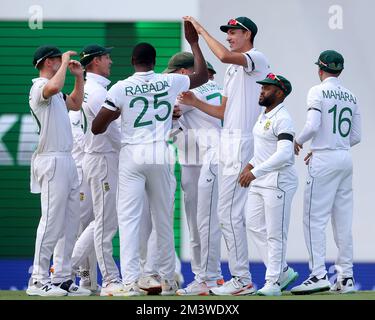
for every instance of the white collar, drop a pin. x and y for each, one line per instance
(143, 73)
(331, 79)
(40, 78)
(103, 81)
(273, 111)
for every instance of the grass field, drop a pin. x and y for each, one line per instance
(361, 295)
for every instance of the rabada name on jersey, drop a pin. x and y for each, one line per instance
(147, 88)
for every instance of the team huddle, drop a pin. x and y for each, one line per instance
(107, 164)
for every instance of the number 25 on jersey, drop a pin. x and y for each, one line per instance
(157, 104)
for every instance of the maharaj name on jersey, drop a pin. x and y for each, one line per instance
(339, 95)
(207, 87)
(146, 88)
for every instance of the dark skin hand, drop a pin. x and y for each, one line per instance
(200, 75)
(176, 113)
(246, 176)
(191, 34)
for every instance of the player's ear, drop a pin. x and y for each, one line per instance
(279, 93)
(247, 34)
(96, 59)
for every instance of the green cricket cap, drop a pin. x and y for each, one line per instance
(91, 51)
(44, 52)
(278, 81)
(180, 60)
(243, 23)
(331, 61)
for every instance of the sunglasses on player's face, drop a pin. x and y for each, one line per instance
(234, 22)
(273, 76)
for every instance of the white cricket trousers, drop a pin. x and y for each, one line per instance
(235, 154)
(86, 207)
(329, 194)
(189, 184)
(101, 173)
(59, 223)
(156, 179)
(268, 215)
(208, 220)
(149, 251)
(84, 257)
(150, 258)
(84, 251)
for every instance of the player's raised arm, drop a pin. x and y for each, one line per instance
(75, 99)
(220, 51)
(56, 83)
(189, 98)
(200, 75)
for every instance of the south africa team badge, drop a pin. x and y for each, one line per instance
(267, 124)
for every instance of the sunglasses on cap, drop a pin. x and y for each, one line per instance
(273, 76)
(332, 65)
(234, 22)
(85, 55)
(47, 55)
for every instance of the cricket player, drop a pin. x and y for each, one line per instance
(146, 101)
(334, 126)
(100, 164)
(273, 180)
(83, 264)
(188, 153)
(239, 109)
(198, 158)
(54, 173)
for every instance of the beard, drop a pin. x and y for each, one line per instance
(266, 101)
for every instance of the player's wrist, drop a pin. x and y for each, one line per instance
(79, 75)
(193, 44)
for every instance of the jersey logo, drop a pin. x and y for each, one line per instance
(279, 196)
(231, 71)
(106, 186)
(209, 180)
(76, 124)
(81, 196)
(85, 97)
(267, 124)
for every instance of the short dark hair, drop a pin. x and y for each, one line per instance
(40, 65)
(144, 54)
(251, 37)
